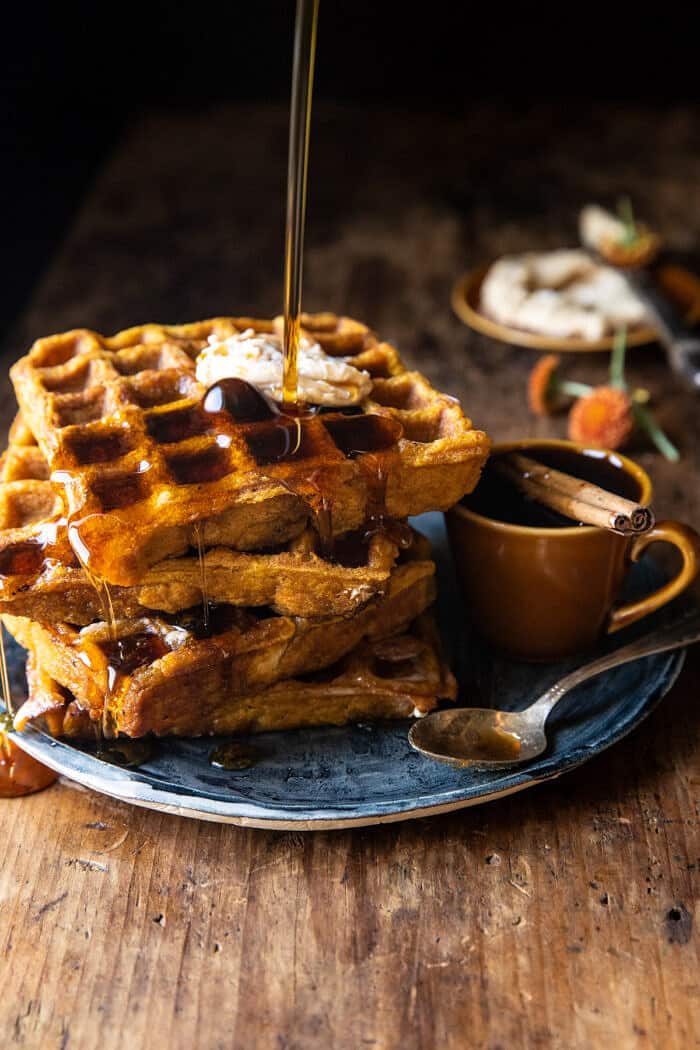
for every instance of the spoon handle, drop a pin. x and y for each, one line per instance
(676, 636)
(682, 344)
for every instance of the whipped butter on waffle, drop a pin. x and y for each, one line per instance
(257, 357)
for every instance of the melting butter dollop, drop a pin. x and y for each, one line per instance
(257, 357)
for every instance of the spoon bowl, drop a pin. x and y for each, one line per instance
(478, 737)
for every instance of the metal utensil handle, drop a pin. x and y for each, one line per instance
(682, 345)
(676, 636)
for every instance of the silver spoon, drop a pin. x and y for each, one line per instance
(680, 340)
(475, 736)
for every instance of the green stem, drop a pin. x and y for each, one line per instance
(617, 360)
(626, 214)
(574, 389)
(645, 421)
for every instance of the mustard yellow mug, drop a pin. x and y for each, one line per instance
(543, 591)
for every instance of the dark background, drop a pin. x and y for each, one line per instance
(73, 76)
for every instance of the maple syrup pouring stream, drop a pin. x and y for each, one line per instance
(297, 171)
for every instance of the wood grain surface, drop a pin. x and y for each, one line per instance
(563, 917)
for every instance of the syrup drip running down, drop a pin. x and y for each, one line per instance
(103, 728)
(124, 656)
(297, 172)
(324, 527)
(198, 537)
(378, 520)
(100, 585)
(321, 512)
(222, 618)
(4, 677)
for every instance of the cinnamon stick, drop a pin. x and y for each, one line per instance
(573, 497)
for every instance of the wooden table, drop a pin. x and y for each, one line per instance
(562, 917)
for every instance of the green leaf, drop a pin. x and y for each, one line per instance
(617, 360)
(646, 422)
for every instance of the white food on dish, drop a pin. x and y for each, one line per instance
(597, 227)
(563, 294)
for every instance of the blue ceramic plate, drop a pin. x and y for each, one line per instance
(327, 778)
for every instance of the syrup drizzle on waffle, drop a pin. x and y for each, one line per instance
(103, 728)
(378, 521)
(121, 656)
(279, 437)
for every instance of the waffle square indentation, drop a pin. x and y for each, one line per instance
(176, 425)
(355, 435)
(195, 468)
(68, 379)
(58, 349)
(278, 442)
(101, 447)
(75, 409)
(150, 391)
(116, 491)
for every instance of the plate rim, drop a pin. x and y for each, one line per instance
(243, 813)
(466, 287)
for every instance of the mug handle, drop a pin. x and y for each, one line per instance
(687, 541)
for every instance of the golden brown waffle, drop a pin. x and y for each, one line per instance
(149, 668)
(296, 581)
(20, 433)
(400, 677)
(41, 578)
(121, 424)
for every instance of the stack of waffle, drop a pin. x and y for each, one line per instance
(177, 564)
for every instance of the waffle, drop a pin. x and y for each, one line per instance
(49, 702)
(20, 433)
(400, 677)
(149, 668)
(145, 470)
(48, 584)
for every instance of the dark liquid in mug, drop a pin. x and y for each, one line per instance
(495, 497)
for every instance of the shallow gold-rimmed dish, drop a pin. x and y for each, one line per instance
(682, 286)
